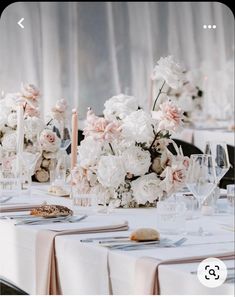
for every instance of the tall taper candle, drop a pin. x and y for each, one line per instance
(74, 143)
(20, 130)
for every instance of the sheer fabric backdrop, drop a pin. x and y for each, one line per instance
(88, 52)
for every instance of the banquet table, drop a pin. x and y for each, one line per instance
(88, 268)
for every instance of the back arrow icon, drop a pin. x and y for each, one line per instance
(20, 23)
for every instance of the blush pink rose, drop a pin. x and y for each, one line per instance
(174, 178)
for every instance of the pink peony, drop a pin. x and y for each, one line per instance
(101, 129)
(169, 116)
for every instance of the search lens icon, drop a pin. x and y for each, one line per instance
(212, 272)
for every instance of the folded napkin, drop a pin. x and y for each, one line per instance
(18, 207)
(46, 271)
(146, 271)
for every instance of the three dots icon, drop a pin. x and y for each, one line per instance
(209, 26)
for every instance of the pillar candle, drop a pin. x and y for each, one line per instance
(74, 143)
(20, 130)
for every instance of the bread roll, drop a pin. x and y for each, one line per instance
(145, 234)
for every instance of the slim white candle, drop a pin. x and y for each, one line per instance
(20, 130)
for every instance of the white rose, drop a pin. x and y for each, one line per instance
(111, 172)
(170, 71)
(118, 107)
(147, 188)
(32, 127)
(89, 152)
(138, 126)
(136, 160)
(9, 141)
(12, 120)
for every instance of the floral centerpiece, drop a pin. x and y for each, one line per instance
(124, 159)
(38, 136)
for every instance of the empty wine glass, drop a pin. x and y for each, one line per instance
(218, 151)
(201, 179)
(63, 131)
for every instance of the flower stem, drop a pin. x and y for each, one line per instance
(111, 148)
(159, 93)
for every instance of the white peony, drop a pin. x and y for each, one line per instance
(9, 141)
(170, 71)
(118, 107)
(138, 126)
(32, 127)
(136, 160)
(12, 120)
(111, 171)
(147, 188)
(89, 152)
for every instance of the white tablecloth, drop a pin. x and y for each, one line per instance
(91, 269)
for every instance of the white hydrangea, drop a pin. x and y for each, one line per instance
(9, 141)
(12, 120)
(32, 127)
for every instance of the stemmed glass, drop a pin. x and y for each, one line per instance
(218, 151)
(201, 179)
(29, 158)
(63, 131)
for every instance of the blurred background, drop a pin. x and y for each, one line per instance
(87, 52)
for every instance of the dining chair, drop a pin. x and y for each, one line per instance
(7, 288)
(187, 148)
(229, 177)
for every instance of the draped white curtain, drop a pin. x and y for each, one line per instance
(88, 52)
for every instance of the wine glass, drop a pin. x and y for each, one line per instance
(63, 131)
(201, 179)
(219, 152)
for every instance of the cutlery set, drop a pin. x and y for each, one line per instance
(125, 244)
(29, 220)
